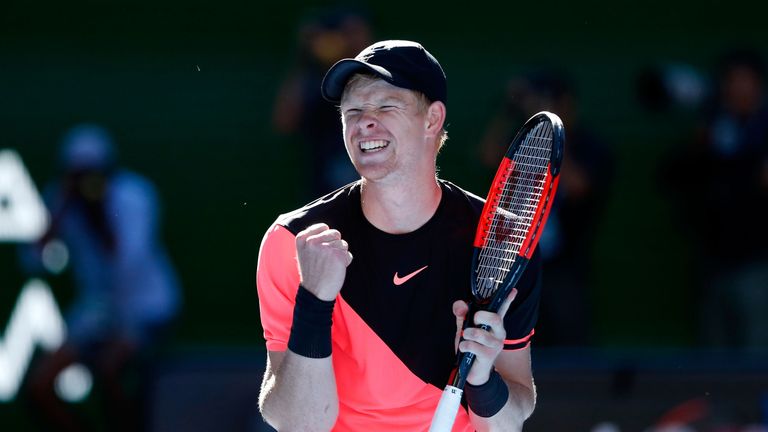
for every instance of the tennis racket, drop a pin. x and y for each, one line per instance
(509, 229)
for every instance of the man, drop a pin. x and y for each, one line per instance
(368, 343)
(719, 182)
(127, 290)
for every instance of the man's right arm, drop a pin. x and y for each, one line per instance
(298, 393)
(299, 388)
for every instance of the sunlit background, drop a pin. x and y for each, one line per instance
(189, 91)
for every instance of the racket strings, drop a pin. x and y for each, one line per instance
(514, 206)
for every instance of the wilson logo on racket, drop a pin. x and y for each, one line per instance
(509, 229)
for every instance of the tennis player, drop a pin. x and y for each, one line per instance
(360, 290)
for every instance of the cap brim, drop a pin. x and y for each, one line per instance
(337, 76)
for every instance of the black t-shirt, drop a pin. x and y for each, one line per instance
(403, 285)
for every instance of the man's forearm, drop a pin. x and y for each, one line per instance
(519, 407)
(299, 394)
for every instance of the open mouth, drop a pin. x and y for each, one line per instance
(373, 146)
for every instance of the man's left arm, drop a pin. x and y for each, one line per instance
(514, 369)
(500, 391)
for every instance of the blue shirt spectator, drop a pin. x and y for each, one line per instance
(126, 290)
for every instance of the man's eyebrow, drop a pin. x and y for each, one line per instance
(386, 100)
(392, 99)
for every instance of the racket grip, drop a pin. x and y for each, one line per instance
(446, 411)
(464, 363)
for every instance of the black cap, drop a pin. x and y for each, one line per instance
(401, 63)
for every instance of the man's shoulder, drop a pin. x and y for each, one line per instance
(462, 196)
(329, 208)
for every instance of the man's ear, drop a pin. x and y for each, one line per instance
(435, 117)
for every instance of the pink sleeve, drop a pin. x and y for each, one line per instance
(277, 280)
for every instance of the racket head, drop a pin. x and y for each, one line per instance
(516, 208)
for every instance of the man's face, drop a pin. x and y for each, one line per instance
(385, 131)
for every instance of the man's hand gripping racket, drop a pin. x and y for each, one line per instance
(509, 229)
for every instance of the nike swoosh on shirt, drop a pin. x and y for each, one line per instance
(397, 280)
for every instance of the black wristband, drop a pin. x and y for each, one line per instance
(311, 328)
(489, 398)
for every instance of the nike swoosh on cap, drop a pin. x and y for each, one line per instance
(397, 280)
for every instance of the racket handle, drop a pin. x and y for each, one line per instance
(446, 411)
(465, 361)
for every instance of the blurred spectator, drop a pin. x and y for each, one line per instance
(719, 181)
(127, 293)
(299, 107)
(585, 181)
(673, 85)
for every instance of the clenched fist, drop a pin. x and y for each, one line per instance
(323, 259)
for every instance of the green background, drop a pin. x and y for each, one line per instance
(188, 88)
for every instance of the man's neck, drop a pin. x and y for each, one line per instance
(402, 207)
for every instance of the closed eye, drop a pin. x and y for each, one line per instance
(386, 108)
(352, 112)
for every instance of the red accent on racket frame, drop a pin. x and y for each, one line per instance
(541, 215)
(489, 209)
